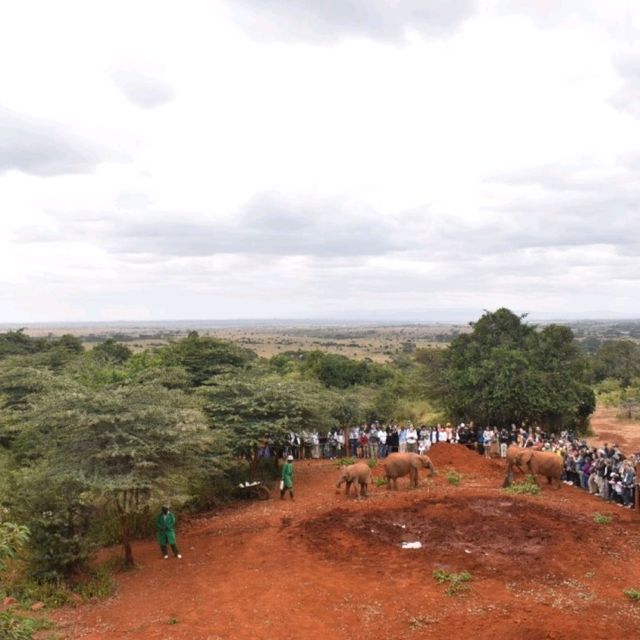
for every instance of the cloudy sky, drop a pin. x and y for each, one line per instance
(306, 159)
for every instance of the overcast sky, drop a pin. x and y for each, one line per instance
(306, 159)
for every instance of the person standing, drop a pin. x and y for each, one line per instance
(286, 484)
(166, 532)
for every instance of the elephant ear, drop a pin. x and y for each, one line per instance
(524, 457)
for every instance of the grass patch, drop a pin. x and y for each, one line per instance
(632, 594)
(457, 581)
(372, 462)
(345, 462)
(600, 518)
(453, 477)
(14, 627)
(97, 583)
(379, 481)
(527, 486)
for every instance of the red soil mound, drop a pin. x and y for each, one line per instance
(461, 459)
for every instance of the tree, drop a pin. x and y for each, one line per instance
(617, 359)
(258, 407)
(506, 371)
(124, 442)
(205, 358)
(111, 351)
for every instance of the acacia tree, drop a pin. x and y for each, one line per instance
(507, 371)
(258, 406)
(125, 442)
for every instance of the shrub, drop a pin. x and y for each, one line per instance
(372, 462)
(633, 594)
(528, 486)
(17, 628)
(379, 481)
(600, 518)
(457, 581)
(453, 477)
(345, 462)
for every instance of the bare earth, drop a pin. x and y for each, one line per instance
(327, 566)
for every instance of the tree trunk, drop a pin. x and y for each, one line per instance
(126, 540)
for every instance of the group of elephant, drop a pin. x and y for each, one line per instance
(398, 465)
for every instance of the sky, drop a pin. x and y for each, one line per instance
(356, 159)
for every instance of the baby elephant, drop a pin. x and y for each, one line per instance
(359, 473)
(397, 465)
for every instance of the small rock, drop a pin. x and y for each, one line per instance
(8, 602)
(36, 606)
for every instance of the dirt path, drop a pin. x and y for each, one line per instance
(326, 566)
(608, 428)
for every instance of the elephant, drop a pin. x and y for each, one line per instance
(535, 462)
(397, 465)
(360, 473)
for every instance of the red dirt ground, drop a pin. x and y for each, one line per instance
(327, 566)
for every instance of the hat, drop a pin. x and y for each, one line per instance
(289, 458)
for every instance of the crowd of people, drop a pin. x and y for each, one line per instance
(603, 471)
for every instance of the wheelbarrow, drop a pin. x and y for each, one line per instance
(252, 490)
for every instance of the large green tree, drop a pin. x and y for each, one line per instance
(506, 370)
(257, 406)
(126, 442)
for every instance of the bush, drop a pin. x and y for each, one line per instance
(13, 627)
(453, 477)
(457, 581)
(59, 518)
(379, 481)
(633, 594)
(600, 518)
(528, 486)
(372, 462)
(345, 462)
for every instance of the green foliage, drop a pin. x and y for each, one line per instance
(13, 627)
(58, 513)
(453, 477)
(632, 594)
(526, 487)
(339, 371)
(345, 462)
(372, 462)
(205, 358)
(259, 407)
(618, 360)
(506, 371)
(111, 351)
(457, 581)
(600, 518)
(12, 538)
(18, 343)
(379, 482)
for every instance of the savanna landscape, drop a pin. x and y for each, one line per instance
(97, 433)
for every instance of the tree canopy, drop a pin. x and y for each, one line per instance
(506, 371)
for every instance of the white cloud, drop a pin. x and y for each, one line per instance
(160, 163)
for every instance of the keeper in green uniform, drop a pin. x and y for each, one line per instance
(287, 478)
(166, 532)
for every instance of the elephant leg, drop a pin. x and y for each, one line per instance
(508, 479)
(533, 475)
(348, 489)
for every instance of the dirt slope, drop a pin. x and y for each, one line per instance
(326, 566)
